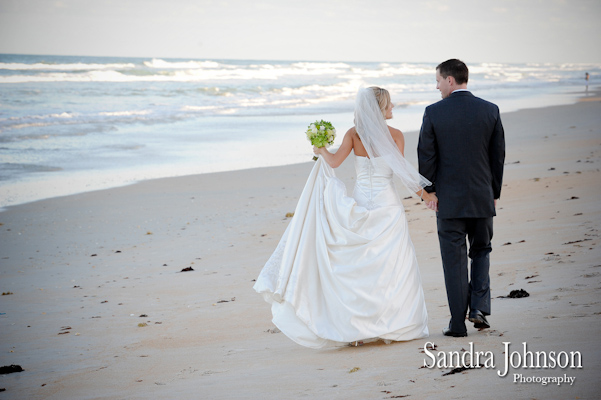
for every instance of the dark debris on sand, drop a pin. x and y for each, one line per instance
(431, 346)
(516, 294)
(187, 269)
(9, 369)
(578, 241)
(460, 369)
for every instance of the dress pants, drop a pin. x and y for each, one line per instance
(461, 291)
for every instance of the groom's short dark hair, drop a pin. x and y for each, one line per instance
(455, 68)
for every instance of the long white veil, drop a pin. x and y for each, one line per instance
(371, 127)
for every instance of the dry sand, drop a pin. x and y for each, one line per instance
(99, 310)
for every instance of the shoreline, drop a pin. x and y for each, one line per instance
(100, 310)
(27, 191)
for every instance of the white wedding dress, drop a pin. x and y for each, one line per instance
(345, 269)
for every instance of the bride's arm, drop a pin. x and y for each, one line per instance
(430, 198)
(335, 159)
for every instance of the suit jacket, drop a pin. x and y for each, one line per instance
(462, 151)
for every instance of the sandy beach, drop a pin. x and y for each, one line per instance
(95, 305)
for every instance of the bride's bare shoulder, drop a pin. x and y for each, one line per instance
(394, 131)
(352, 134)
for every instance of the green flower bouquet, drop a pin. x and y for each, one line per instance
(321, 134)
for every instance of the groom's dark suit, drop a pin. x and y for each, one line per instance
(462, 151)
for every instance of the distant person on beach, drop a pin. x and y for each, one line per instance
(461, 150)
(345, 270)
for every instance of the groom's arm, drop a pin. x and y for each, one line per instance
(426, 152)
(496, 154)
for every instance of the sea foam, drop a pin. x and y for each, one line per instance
(83, 123)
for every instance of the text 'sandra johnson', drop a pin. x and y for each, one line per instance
(511, 359)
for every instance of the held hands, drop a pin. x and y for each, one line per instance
(431, 200)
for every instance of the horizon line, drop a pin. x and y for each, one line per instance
(289, 60)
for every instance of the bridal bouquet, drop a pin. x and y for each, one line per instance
(321, 134)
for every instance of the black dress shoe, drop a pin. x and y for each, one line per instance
(479, 320)
(448, 332)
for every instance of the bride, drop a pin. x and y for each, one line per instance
(345, 269)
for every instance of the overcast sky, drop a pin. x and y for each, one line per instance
(558, 31)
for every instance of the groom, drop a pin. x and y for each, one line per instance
(462, 150)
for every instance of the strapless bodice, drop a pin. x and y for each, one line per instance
(374, 187)
(372, 171)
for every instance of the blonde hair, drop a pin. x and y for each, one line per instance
(383, 98)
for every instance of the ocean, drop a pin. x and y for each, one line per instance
(75, 124)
